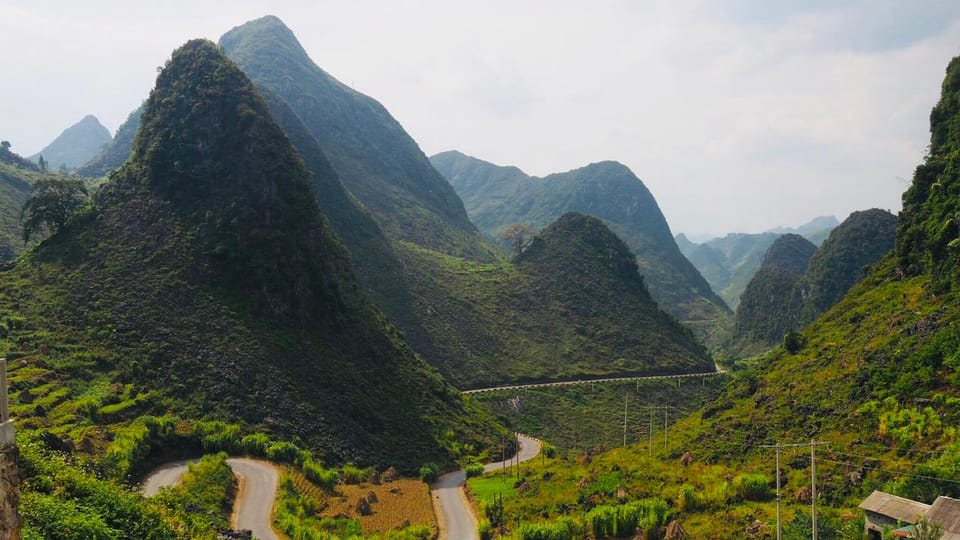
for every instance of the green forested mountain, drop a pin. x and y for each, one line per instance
(844, 257)
(204, 281)
(728, 263)
(771, 303)
(877, 374)
(497, 196)
(114, 152)
(572, 305)
(77, 144)
(873, 381)
(377, 161)
(798, 281)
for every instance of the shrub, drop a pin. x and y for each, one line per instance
(474, 469)
(752, 487)
(429, 472)
(326, 478)
(351, 474)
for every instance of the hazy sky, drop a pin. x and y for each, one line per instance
(739, 115)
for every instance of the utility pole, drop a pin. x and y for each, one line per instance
(665, 429)
(650, 446)
(813, 480)
(625, 419)
(777, 446)
(813, 486)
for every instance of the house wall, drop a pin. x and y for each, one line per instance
(9, 494)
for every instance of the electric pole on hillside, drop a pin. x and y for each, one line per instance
(665, 430)
(813, 481)
(650, 446)
(625, 394)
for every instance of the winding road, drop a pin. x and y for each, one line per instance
(454, 513)
(253, 507)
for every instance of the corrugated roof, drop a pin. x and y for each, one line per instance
(946, 513)
(898, 508)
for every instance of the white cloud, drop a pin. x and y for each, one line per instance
(738, 117)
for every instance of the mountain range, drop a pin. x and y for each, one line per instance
(729, 262)
(799, 281)
(497, 196)
(205, 275)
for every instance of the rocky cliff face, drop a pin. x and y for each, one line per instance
(9, 494)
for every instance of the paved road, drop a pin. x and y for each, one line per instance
(253, 508)
(457, 521)
(591, 381)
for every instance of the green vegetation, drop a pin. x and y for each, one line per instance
(793, 288)
(205, 495)
(17, 176)
(52, 201)
(171, 317)
(77, 145)
(374, 157)
(115, 152)
(573, 305)
(498, 196)
(588, 417)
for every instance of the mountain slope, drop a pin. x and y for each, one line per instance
(497, 196)
(572, 305)
(116, 151)
(375, 158)
(771, 303)
(205, 275)
(861, 240)
(729, 263)
(17, 175)
(76, 145)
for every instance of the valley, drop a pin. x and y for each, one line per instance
(260, 310)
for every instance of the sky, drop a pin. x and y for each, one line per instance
(738, 115)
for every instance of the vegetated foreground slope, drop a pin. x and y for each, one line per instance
(77, 144)
(874, 381)
(572, 305)
(205, 275)
(498, 196)
(17, 175)
(878, 373)
(377, 161)
(786, 296)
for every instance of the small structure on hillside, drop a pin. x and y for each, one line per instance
(884, 510)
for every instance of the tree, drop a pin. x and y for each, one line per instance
(52, 201)
(517, 235)
(42, 163)
(5, 145)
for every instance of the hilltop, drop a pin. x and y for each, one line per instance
(75, 145)
(205, 282)
(728, 263)
(497, 196)
(799, 281)
(377, 161)
(116, 151)
(572, 305)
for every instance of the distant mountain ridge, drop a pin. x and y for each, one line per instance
(798, 281)
(496, 196)
(116, 151)
(728, 263)
(572, 305)
(76, 145)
